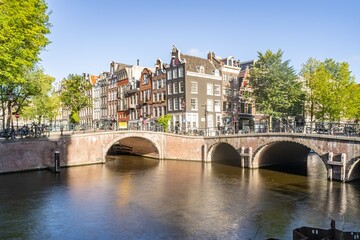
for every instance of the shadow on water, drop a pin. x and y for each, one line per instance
(129, 163)
(313, 167)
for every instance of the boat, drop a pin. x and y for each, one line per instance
(310, 233)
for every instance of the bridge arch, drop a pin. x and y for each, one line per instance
(354, 170)
(283, 151)
(223, 152)
(138, 145)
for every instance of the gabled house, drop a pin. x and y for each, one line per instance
(194, 93)
(159, 90)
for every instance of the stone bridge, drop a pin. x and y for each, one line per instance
(340, 155)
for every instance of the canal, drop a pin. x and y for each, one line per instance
(137, 198)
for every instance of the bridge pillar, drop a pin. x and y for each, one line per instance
(336, 168)
(204, 153)
(242, 157)
(246, 157)
(330, 169)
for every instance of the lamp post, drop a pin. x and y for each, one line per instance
(183, 115)
(205, 114)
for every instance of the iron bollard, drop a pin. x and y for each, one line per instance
(57, 161)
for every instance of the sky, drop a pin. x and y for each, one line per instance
(86, 35)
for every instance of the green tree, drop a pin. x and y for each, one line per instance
(23, 29)
(277, 90)
(307, 72)
(329, 90)
(353, 107)
(74, 95)
(34, 83)
(164, 121)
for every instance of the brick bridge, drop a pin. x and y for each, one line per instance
(340, 155)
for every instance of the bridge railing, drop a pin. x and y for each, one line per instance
(329, 128)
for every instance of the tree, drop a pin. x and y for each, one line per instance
(34, 84)
(164, 121)
(74, 95)
(43, 108)
(23, 29)
(277, 90)
(308, 74)
(329, 90)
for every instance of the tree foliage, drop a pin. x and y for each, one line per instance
(330, 90)
(277, 90)
(23, 29)
(74, 95)
(164, 121)
(24, 26)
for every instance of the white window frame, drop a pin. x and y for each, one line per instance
(175, 73)
(217, 90)
(175, 87)
(209, 105)
(209, 89)
(176, 104)
(217, 106)
(193, 87)
(181, 87)
(194, 104)
(169, 74)
(181, 72)
(170, 104)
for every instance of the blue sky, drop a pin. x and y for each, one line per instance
(88, 34)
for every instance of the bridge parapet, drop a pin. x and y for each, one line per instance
(341, 155)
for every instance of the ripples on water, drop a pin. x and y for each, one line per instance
(138, 198)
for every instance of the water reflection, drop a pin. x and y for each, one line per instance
(134, 197)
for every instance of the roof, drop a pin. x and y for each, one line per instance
(193, 64)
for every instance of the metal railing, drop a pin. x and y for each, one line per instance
(329, 128)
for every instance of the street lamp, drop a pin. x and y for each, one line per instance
(183, 105)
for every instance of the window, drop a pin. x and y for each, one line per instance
(170, 104)
(154, 85)
(159, 84)
(210, 121)
(217, 90)
(176, 104)
(169, 75)
(181, 72)
(249, 108)
(146, 79)
(217, 106)
(163, 82)
(182, 103)
(176, 87)
(209, 105)
(209, 89)
(194, 87)
(169, 89)
(194, 105)
(175, 73)
(181, 85)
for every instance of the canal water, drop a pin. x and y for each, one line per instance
(137, 198)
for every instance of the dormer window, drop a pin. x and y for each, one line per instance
(200, 69)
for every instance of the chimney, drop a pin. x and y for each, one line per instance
(210, 56)
(137, 62)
